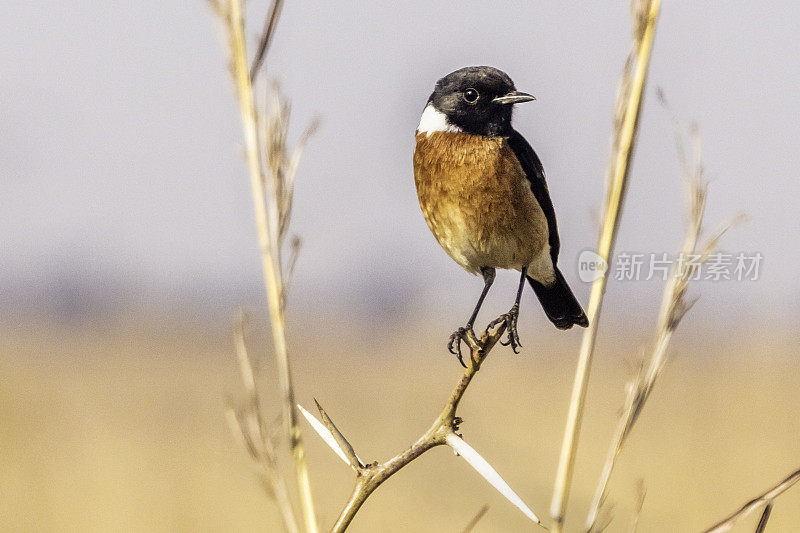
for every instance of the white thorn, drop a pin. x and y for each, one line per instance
(323, 432)
(489, 474)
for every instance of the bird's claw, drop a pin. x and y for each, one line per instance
(454, 344)
(510, 320)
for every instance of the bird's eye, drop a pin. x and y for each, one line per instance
(471, 95)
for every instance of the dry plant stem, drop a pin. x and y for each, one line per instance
(764, 499)
(475, 519)
(372, 475)
(266, 37)
(627, 136)
(633, 403)
(639, 504)
(285, 505)
(673, 306)
(257, 433)
(268, 243)
(273, 483)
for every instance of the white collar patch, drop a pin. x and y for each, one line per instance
(433, 120)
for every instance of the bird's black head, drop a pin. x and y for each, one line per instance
(477, 100)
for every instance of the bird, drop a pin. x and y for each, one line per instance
(483, 194)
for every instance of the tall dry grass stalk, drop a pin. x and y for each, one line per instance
(272, 172)
(628, 106)
(674, 306)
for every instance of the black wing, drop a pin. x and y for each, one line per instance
(534, 171)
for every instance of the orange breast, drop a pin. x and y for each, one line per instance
(477, 202)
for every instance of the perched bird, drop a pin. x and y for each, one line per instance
(483, 194)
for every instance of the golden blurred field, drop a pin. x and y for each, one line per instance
(116, 429)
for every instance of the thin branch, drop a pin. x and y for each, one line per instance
(261, 432)
(270, 24)
(294, 253)
(629, 104)
(245, 364)
(250, 429)
(764, 499)
(641, 492)
(263, 457)
(441, 432)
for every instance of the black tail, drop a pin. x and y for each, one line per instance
(559, 303)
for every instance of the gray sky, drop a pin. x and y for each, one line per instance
(120, 156)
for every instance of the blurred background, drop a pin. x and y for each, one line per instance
(128, 244)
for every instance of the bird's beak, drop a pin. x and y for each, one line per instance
(514, 97)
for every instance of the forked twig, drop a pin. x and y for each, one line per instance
(443, 431)
(372, 476)
(764, 499)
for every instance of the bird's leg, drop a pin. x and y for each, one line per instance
(512, 317)
(454, 344)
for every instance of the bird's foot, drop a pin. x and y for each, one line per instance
(454, 343)
(510, 320)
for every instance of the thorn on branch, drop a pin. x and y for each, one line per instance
(327, 436)
(343, 443)
(488, 473)
(762, 524)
